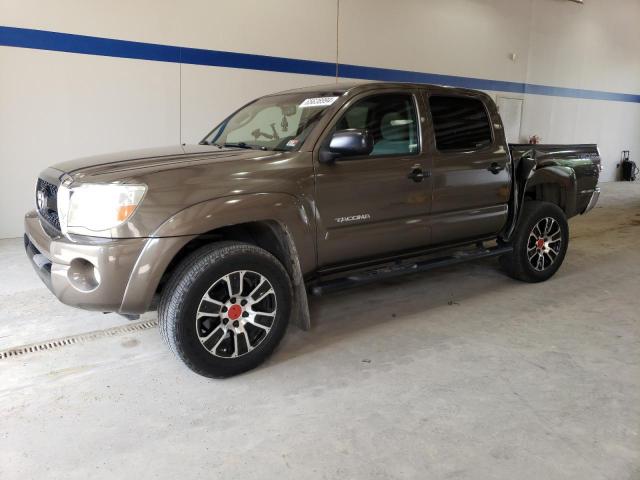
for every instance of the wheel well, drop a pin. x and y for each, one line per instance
(268, 235)
(547, 192)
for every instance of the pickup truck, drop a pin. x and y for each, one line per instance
(306, 191)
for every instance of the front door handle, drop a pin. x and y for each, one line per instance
(495, 168)
(417, 175)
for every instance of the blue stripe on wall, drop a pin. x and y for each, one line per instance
(373, 73)
(66, 42)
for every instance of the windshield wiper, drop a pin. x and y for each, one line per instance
(245, 145)
(204, 142)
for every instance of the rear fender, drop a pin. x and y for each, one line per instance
(528, 176)
(565, 178)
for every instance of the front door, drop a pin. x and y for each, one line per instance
(379, 203)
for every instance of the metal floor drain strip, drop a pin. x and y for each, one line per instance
(75, 339)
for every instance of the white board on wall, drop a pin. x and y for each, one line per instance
(511, 112)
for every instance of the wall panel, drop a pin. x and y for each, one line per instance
(456, 37)
(57, 106)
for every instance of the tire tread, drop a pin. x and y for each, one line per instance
(516, 264)
(181, 280)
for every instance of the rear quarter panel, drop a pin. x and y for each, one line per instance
(582, 161)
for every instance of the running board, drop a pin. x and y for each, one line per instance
(376, 274)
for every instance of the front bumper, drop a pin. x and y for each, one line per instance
(109, 275)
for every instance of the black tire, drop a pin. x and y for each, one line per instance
(196, 276)
(517, 264)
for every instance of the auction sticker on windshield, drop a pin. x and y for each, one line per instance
(318, 102)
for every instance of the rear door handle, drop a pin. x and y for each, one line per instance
(417, 175)
(495, 168)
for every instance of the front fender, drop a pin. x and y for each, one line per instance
(204, 217)
(227, 211)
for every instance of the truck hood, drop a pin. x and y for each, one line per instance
(151, 158)
(178, 178)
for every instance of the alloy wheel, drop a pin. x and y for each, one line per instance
(544, 243)
(236, 314)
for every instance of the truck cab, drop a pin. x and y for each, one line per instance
(438, 172)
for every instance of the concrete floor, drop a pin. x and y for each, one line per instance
(460, 373)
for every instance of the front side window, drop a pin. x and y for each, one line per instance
(459, 123)
(278, 122)
(391, 120)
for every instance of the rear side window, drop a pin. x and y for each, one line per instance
(459, 123)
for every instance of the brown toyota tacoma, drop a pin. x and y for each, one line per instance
(305, 191)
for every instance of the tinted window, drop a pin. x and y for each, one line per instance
(459, 123)
(391, 120)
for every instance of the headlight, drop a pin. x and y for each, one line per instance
(90, 208)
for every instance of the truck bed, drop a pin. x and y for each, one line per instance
(583, 159)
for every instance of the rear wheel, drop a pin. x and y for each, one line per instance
(226, 308)
(539, 244)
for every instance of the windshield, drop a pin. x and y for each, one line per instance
(278, 122)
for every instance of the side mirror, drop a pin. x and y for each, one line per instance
(349, 143)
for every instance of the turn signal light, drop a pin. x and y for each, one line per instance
(125, 212)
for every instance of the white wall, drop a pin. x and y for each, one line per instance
(597, 47)
(470, 38)
(55, 106)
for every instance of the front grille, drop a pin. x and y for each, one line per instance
(47, 202)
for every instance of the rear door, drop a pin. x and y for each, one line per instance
(372, 205)
(471, 175)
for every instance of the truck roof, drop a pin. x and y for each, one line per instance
(363, 85)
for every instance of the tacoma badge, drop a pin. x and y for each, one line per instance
(353, 218)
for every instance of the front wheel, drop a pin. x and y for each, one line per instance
(226, 308)
(539, 244)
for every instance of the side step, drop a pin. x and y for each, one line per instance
(376, 274)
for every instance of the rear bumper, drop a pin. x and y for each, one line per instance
(593, 200)
(109, 275)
